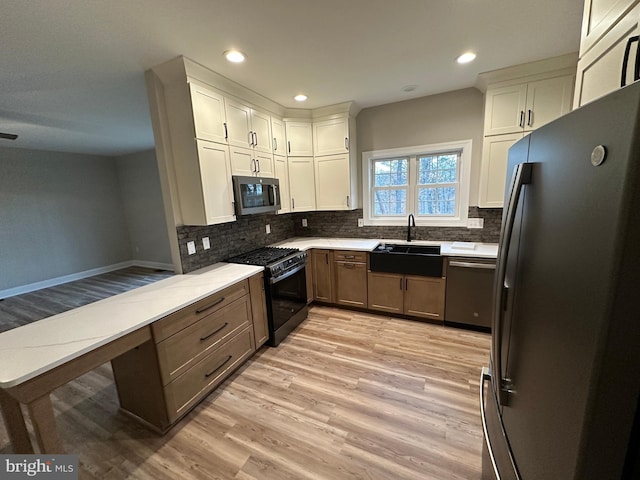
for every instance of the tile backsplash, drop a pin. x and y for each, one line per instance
(228, 239)
(345, 224)
(249, 233)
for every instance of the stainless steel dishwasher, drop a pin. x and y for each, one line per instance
(469, 299)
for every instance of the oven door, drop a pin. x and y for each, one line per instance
(287, 301)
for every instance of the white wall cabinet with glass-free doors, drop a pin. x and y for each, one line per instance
(299, 138)
(335, 163)
(519, 100)
(430, 181)
(603, 58)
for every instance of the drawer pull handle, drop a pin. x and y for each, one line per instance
(349, 265)
(349, 256)
(207, 375)
(202, 339)
(204, 309)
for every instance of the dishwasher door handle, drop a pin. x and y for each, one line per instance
(487, 266)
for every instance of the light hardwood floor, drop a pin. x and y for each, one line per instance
(347, 395)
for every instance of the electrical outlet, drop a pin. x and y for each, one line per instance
(304, 222)
(268, 228)
(361, 222)
(191, 247)
(475, 223)
(205, 243)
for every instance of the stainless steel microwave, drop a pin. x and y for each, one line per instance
(256, 194)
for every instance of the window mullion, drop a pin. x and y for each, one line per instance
(412, 190)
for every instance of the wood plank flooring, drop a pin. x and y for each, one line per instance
(33, 306)
(347, 395)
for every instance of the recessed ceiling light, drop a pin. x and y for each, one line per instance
(235, 56)
(301, 97)
(409, 88)
(466, 57)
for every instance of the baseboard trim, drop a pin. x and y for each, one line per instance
(156, 265)
(52, 282)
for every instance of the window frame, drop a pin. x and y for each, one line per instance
(413, 153)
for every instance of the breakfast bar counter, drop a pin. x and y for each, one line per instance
(39, 357)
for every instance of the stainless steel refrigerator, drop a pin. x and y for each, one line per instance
(560, 399)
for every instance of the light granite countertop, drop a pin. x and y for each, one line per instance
(28, 351)
(450, 249)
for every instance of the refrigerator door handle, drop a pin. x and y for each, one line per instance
(521, 177)
(484, 377)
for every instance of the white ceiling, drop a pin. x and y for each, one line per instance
(72, 71)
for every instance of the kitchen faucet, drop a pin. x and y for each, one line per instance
(410, 221)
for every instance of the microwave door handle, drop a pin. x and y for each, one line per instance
(521, 177)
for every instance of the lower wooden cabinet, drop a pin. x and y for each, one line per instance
(322, 275)
(406, 294)
(385, 292)
(192, 351)
(424, 297)
(309, 277)
(259, 309)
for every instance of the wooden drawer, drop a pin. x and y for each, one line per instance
(179, 352)
(189, 388)
(172, 324)
(350, 256)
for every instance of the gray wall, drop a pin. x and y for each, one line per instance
(142, 200)
(446, 117)
(60, 214)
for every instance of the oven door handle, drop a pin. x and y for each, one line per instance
(286, 275)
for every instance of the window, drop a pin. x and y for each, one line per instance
(430, 181)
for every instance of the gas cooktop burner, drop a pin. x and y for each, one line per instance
(263, 256)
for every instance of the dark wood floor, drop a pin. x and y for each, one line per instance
(347, 395)
(33, 306)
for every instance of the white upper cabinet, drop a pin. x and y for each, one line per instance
(547, 100)
(208, 114)
(519, 100)
(247, 127)
(215, 174)
(301, 184)
(331, 137)
(526, 106)
(599, 17)
(299, 138)
(282, 173)
(239, 124)
(504, 109)
(261, 128)
(600, 69)
(493, 174)
(333, 183)
(279, 138)
(204, 185)
(264, 164)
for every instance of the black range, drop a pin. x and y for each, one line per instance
(285, 287)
